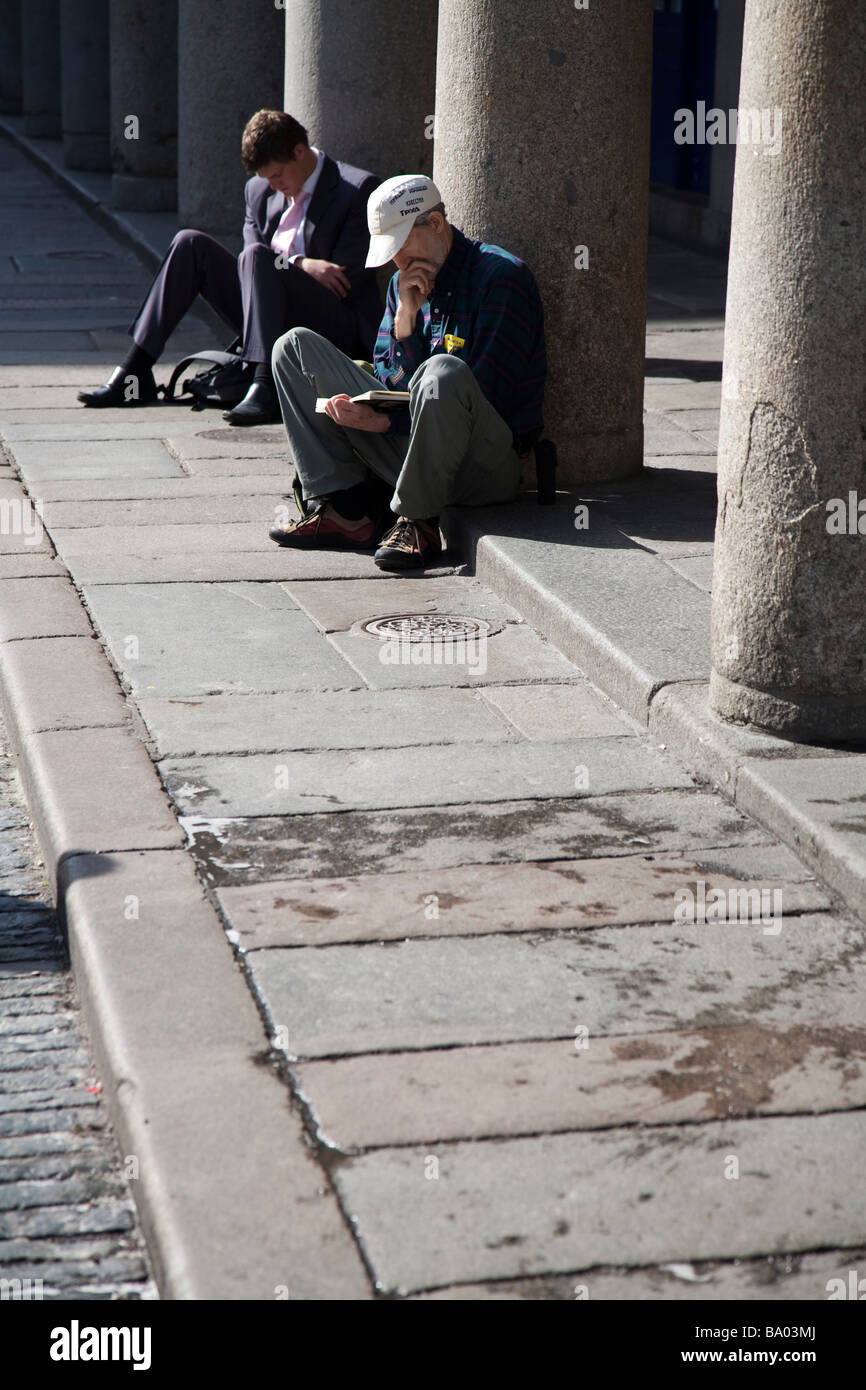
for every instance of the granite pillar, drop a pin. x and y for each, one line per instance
(789, 583)
(230, 65)
(40, 68)
(542, 146)
(85, 83)
(143, 45)
(361, 79)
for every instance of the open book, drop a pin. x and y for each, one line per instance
(379, 400)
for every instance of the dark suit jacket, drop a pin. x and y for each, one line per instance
(336, 230)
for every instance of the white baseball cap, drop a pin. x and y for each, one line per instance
(391, 212)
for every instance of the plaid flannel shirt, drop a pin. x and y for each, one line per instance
(487, 298)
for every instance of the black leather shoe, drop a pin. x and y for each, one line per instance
(116, 390)
(258, 407)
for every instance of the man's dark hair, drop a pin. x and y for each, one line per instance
(270, 136)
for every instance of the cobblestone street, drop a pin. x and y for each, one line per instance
(67, 1221)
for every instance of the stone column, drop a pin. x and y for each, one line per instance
(361, 79)
(10, 55)
(143, 46)
(40, 68)
(84, 83)
(542, 146)
(230, 65)
(789, 583)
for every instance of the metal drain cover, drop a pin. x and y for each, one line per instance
(429, 627)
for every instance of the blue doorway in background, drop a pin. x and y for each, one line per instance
(684, 60)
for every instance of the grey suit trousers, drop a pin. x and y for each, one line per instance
(255, 297)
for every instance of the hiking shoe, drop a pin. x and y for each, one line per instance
(410, 545)
(325, 529)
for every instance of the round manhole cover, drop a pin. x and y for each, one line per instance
(428, 627)
(230, 434)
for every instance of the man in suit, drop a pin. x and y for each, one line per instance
(303, 265)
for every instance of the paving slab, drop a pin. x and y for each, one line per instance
(132, 489)
(96, 459)
(765, 1279)
(657, 514)
(569, 1202)
(588, 1083)
(157, 541)
(215, 441)
(553, 895)
(41, 565)
(127, 299)
(693, 344)
(338, 719)
(36, 341)
(413, 994)
(162, 512)
(335, 605)
(14, 399)
(123, 425)
(17, 364)
(93, 790)
(43, 607)
(239, 464)
(181, 1046)
(59, 318)
(290, 783)
(698, 569)
(219, 566)
(765, 861)
(516, 653)
(233, 850)
(60, 683)
(188, 337)
(70, 373)
(557, 711)
(199, 639)
(682, 463)
(659, 395)
(663, 436)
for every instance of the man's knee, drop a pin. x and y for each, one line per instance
(440, 375)
(256, 255)
(187, 239)
(290, 346)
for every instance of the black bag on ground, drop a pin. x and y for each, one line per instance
(222, 382)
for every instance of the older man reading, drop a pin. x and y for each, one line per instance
(463, 335)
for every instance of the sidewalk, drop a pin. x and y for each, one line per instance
(386, 960)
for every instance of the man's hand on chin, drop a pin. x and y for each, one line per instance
(413, 287)
(329, 274)
(353, 415)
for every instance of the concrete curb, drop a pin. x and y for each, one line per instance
(671, 699)
(583, 598)
(232, 1200)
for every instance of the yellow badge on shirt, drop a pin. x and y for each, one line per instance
(452, 342)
